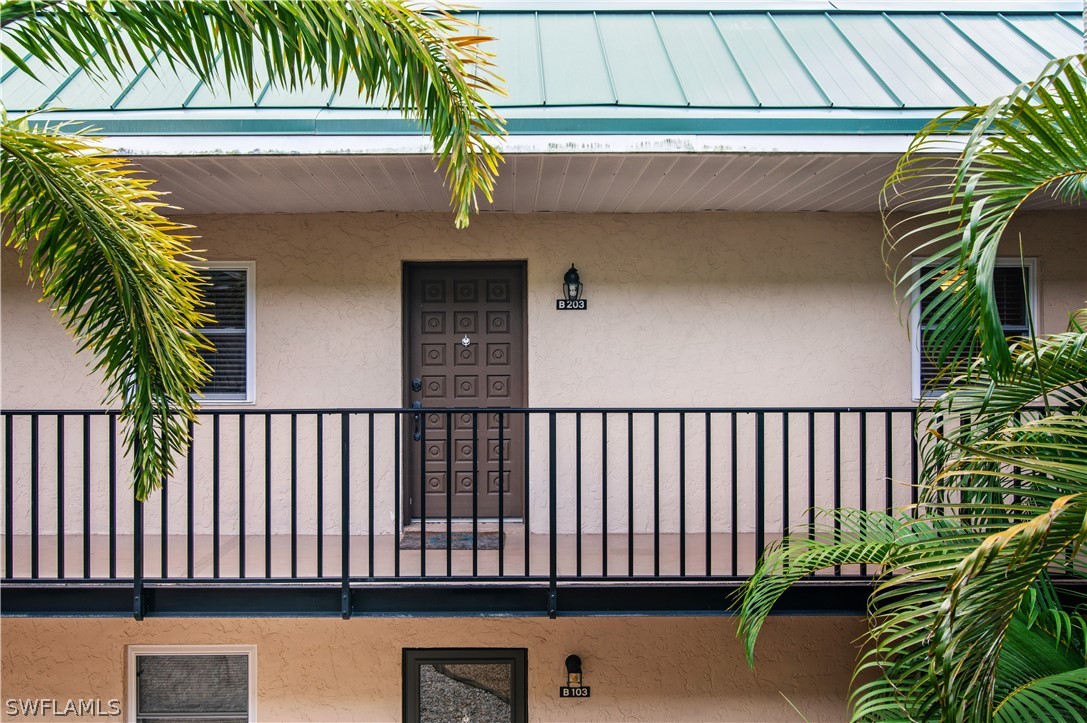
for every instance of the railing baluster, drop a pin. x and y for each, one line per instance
(735, 515)
(682, 494)
(370, 504)
(760, 484)
(709, 498)
(294, 496)
(423, 492)
(577, 488)
(9, 496)
(837, 477)
(811, 475)
(190, 480)
(137, 557)
(267, 494)
(60, 496)
(241, 495)
(448, 494)
(784, 475)
(501, 493)
(113, 494)
(914, 468)
(321, 493)
(215, 480)
(398, 425)
(475, 493)
(888, 427)
(86, 496)
(345, 516)
(34, 525)
(164, 525)
(553, 501)
(656, 494)
(527, 503)
(862, 463)
(604, 495)
(630, 494)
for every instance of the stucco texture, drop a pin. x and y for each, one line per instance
(709, 309)
(685, 309)
(639, 669)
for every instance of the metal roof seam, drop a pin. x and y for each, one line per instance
(199, 85)
(1068, 22)
(1033, 43)
(263, 92)
(7, 73)
(64, 84)
(864, 61)
(732, 56)
(928, 61)
(799, 60)
(539, 59)
(996, 63)
(668, 57)
(120, 99)
(607, 64)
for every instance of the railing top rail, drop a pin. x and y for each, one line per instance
(233, 411)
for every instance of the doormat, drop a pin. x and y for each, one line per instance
(437, 540)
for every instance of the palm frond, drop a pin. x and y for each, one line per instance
(428, 62)
(950, 198)
(1057, 698)
(117, 275)
(859, 537)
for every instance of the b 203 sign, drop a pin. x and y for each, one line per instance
(567, 305)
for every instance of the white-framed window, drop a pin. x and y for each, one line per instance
(192, 683)
(1015, 283)
(230, 291)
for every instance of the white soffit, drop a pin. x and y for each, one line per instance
(529, 183)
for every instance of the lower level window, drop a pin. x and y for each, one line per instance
(473, 685)
(191, 683)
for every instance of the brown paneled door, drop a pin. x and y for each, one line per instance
(465, 348)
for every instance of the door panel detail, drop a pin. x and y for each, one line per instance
(445, 305)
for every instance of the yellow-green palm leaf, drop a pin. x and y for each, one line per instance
(117, 272)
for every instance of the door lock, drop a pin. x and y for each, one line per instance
(417, 384)
(416, 419)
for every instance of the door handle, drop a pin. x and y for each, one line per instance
(416, 432)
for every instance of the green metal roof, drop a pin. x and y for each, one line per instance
(655, 72)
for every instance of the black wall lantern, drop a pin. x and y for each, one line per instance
(573, 670)
(574, 687)
(571, 291)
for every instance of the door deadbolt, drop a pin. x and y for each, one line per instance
(417, 384)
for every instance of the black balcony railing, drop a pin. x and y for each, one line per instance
(398, 511)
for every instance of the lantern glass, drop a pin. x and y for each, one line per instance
(571, 284)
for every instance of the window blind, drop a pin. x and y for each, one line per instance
(192, 687)
(1011, 285)
(226, 292)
